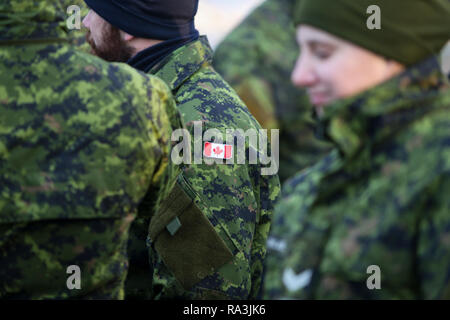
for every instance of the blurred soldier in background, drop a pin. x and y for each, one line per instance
(208, 241)
(81, 144)
(257, 59)
(372, 219)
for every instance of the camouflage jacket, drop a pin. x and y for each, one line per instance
(372, 219)
(81, 142)
(257, 59)
(224, 210)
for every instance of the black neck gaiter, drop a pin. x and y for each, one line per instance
(146, 59)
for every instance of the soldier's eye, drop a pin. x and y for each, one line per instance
(322, 53)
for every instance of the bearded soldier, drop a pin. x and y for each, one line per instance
(208, 241)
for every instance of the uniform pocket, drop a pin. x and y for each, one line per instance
(186, 240)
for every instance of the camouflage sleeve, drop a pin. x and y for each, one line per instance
(139, 282)
(208, 239)
(157, 117)
(239, 278)
(269, 195)
(434, 243)
(285, 208)
(154, 120)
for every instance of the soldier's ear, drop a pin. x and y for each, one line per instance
(127, 37)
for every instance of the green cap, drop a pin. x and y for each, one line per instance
(411, 30)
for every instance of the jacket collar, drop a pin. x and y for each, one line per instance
(184, 62)
(355, 123)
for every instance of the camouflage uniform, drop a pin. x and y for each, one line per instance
(81, 141)
(380, 199)
(257, 59)
(220, 256)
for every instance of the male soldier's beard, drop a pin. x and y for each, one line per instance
(113, 47)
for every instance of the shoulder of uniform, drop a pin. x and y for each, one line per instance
(137, 99)
(120, 79)
(429, 137)
(119, 75)
(206, 96)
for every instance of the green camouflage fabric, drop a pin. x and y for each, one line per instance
(81, 142)
(257, 59)
(236, 199)
(379, 200)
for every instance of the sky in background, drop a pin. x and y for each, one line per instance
(216, 18)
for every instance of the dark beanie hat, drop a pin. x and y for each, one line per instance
(411, 30)
(152, 19)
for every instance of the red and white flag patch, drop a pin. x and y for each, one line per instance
(218, 151)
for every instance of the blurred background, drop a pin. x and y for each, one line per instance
(216, 18)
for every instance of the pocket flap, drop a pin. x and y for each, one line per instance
(172, 207)
(195, 250)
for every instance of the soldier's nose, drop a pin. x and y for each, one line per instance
(302, 75)
(87, 19)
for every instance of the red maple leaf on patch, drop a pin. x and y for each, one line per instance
(217, 150)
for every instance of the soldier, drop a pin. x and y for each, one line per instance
(257, 58)
(209, 239)
(81, 143)
(372, 219)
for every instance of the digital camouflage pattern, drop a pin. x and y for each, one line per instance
(381, 198)
(236, 199)
(81, 141)
(257, 59)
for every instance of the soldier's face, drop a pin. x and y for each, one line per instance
(332, 68)
(106, 41)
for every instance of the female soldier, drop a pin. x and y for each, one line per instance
(372, 219)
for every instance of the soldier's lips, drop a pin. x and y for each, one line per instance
(319, 99)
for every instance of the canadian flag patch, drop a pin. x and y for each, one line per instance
(218, 151)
